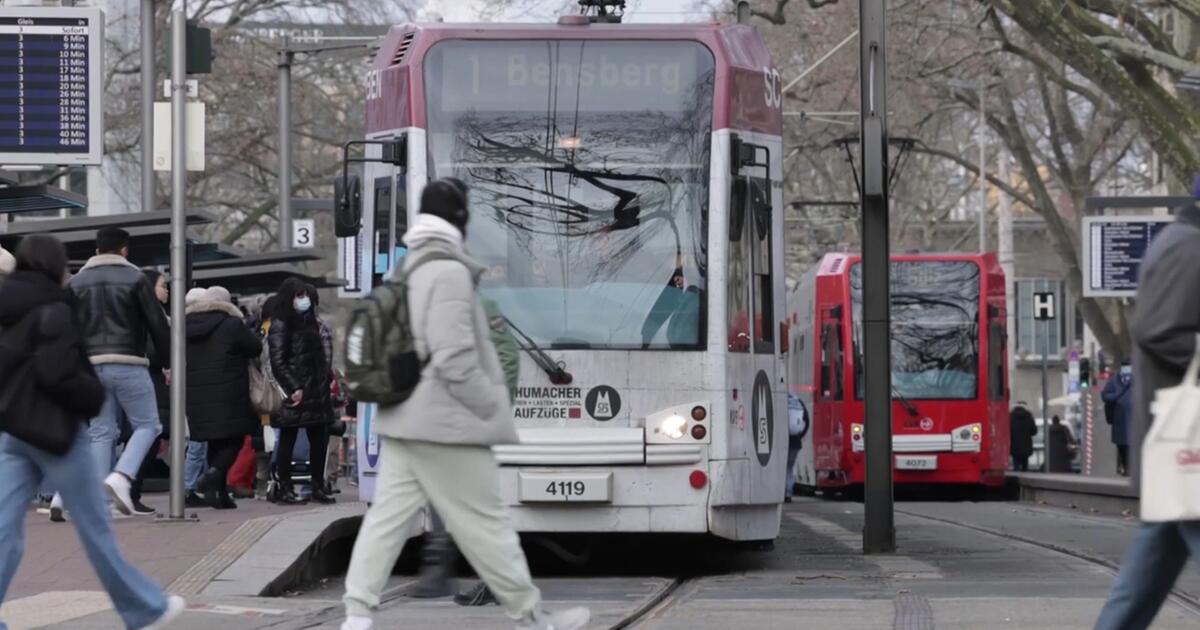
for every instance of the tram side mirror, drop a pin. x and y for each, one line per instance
(737, 208)
(347, 206)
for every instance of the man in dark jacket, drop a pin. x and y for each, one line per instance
(1165, 323)
(1022, 428)
(219, 349)
(1118, 412)
(120, 313)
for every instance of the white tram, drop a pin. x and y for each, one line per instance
(626, 197)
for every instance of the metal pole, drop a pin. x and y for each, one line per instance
(1007, 263)
(983, 226)
(179, 272)
(1045, 399)
(284, 63)
(879, 534)
(148, 178)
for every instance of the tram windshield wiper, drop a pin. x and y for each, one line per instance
(556, 371)
(906, 403)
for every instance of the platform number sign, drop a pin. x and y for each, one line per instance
(304, 233)
(1043, 307)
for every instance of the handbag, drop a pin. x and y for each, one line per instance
(1171, 451)
(266, 397)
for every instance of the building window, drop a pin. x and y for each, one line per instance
(1035, 338)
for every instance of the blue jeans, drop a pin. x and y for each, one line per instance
(196, 464)
(129, 391)
(138, 600)
(1155, 559)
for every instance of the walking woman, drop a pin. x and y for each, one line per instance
(299, 365)
(60, 392)
(219, 351)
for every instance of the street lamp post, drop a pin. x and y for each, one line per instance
(879, 533)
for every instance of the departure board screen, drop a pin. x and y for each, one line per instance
(50, 62)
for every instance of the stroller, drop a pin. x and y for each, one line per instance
(302, 471)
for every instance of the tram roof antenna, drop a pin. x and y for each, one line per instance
(606, 11)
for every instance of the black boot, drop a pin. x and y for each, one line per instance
(437, 563)
(287, 496)
(478, 595)
(210, 487)
(322, 496)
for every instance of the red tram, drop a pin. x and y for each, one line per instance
(950, 395)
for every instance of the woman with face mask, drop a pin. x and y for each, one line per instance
(299, 364)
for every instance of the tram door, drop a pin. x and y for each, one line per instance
(385, 222)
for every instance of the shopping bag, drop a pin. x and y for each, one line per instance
(1171, 451)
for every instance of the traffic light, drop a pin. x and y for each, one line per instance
(1085, 373)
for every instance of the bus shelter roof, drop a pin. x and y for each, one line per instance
(254, 279)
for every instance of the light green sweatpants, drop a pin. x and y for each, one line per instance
(462, 484)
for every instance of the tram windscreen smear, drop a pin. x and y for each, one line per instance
(935, 329)
(588, 164)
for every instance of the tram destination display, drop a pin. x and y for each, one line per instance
(1113, 247)
(51, 87)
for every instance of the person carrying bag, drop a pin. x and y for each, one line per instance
(1171, 452)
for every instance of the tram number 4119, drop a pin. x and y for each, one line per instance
(566, 488)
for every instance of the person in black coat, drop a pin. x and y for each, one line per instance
(1060, 446)
(1022, 428)
(299, 364)
(219, 411)
(63, 393)
(162, 394)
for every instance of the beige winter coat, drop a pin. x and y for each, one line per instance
(462, 397)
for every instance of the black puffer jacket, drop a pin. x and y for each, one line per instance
(219, 349)
(61, 367)
(120, 311)
(298, 363)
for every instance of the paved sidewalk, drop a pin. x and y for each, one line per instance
(56, 583)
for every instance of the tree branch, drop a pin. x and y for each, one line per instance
(1144, 53)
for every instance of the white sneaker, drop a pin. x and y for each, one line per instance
(56, 509)
(175, 607)
(357, 623)
(571, 619)
(118, 489)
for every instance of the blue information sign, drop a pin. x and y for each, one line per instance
(1112, 252)
(50, 85)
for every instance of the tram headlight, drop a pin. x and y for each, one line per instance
(967, 438)
(673, 426)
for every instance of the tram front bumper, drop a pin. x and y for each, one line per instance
(638, 498)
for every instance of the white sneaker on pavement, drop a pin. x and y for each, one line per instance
(570, 619)
(357, 623)
(56, 509)
(118, 488)
(175, 607)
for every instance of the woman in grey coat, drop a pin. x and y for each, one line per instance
(436, 446)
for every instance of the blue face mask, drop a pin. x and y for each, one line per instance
(302, 304)
(1126, 369)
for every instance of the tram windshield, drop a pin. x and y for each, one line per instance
(935, 329)
(588, 164)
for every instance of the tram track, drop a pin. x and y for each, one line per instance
(661, 600)
(1184, 600)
